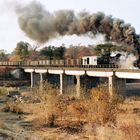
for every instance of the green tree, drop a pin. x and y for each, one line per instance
(102, 48)
(108, 47)
(3, 55)
(47, 52)
(59, 52)
(52, 52)
(22, 49)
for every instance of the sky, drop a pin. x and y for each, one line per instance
(10, 32)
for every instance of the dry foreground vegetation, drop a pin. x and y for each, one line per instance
(43, 114)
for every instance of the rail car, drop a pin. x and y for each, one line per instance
(60, 63)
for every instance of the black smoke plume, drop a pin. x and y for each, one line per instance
(40, 25)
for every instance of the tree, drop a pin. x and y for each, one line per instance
(14, 58)
(33, 54)
(22, 50)
(102, 48)
(84, 51)
(59, 52)
(107, 48)
(3, 55)
(72, 52)
(47, 52)
(76, 52)
(52, 52)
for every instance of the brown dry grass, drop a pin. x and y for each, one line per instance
(15, 107)
(94, 115)
(2, 124)
(103, 106)
(56, 110)
(46, 110)
(131, 131)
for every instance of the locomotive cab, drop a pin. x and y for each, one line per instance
(90, 60)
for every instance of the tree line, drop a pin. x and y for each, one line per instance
(24, 51)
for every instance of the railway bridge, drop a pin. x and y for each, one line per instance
(116, 77)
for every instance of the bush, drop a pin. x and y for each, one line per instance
(15, 107)
(3, 91)
(96, 108)
(2, 125)
(131, 131)
(102, 108)
(47, 113)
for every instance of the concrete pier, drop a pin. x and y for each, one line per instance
(61, 78)
(41, 72)
(62, 82)
(31, 71)
(32, 79)
(116, 85)
(78, 86)
(41, 80)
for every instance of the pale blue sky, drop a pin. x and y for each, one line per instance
(10, 33)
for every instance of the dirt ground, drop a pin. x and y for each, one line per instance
(15, 126)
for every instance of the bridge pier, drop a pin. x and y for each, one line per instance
(78, 86)
(32, 79)
(41, 72)
(62, 83)
(77, 74)
(41, 80)
(116, 85)
(61, 79)
(66, 81)
(31, 71)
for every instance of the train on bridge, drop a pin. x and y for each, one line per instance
(104, 61)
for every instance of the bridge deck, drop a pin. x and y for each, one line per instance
(86, 69)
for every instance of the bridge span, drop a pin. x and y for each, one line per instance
(116, 77)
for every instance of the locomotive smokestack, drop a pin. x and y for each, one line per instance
(40, 25)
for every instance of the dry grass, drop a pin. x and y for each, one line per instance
(3, 91)
(15, 107)
(46, 111)
(2, 125)
(102, 107)
(94, 114)
(131, 131)
(60, 110)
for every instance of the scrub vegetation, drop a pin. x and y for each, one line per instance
(49, 115)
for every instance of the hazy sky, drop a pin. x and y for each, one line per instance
(10, 33)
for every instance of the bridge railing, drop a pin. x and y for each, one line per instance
(48, 63)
